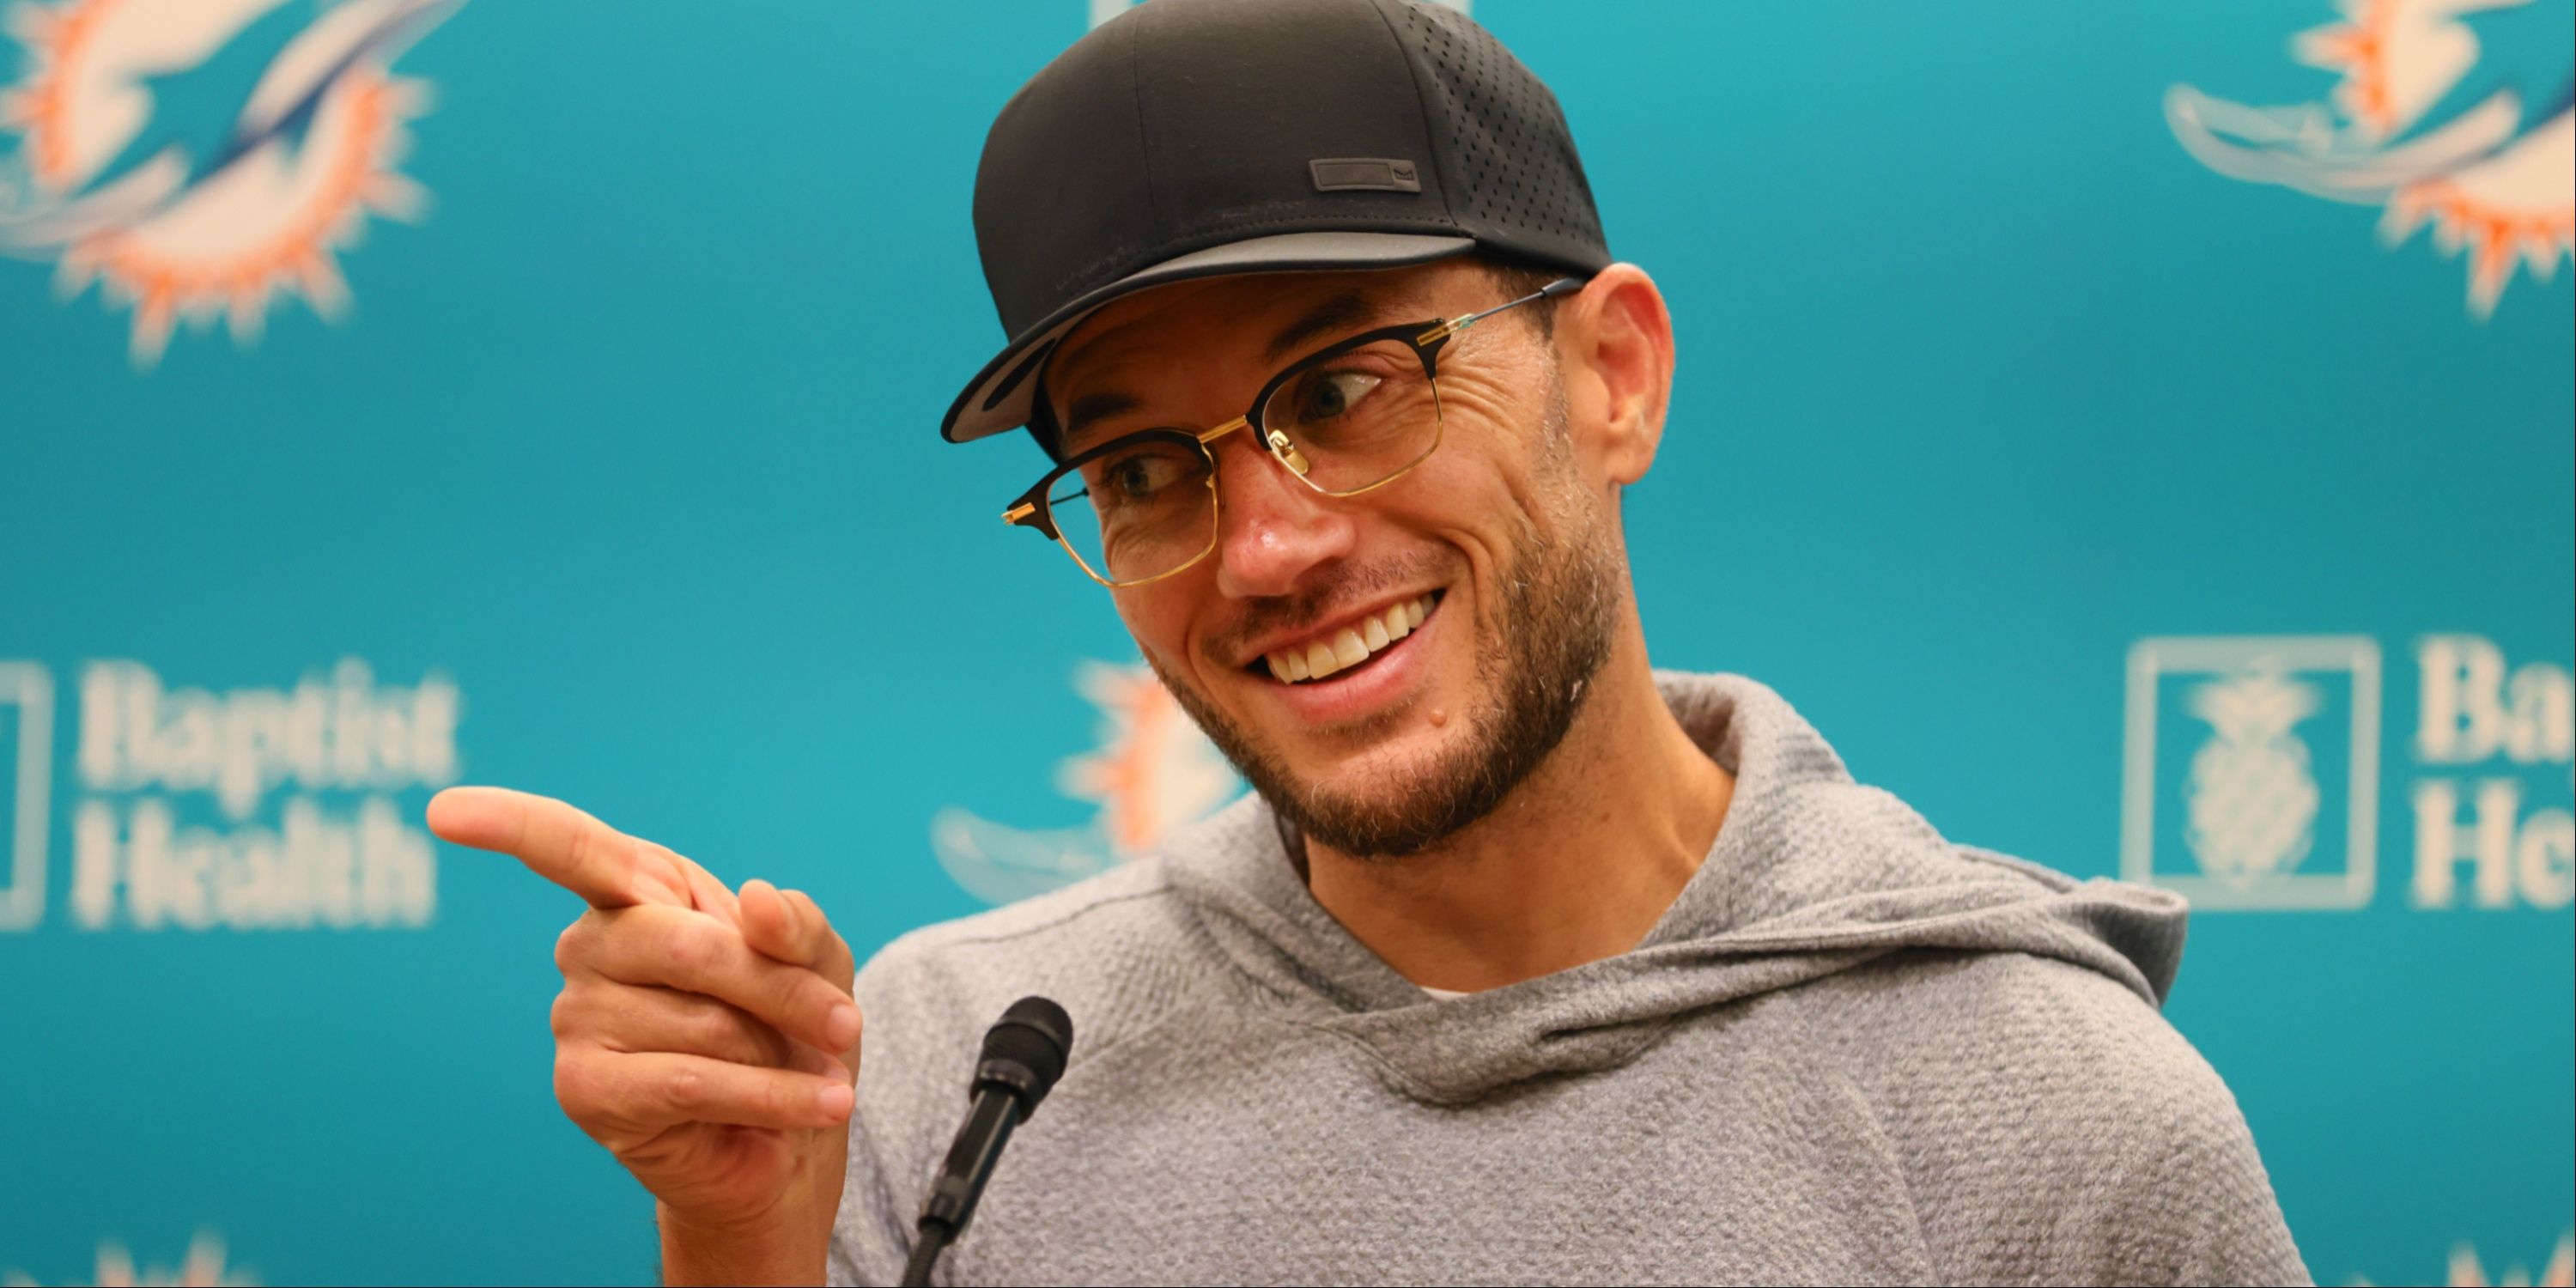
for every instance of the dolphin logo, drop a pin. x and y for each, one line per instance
(2453, 113)
(1153, 772)
(205, 155)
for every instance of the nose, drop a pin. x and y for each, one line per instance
(1273, 531)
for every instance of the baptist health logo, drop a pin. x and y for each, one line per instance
(2252, 773)
(201, 157)
(2455, 113)
(246, 809)
(1152, 772)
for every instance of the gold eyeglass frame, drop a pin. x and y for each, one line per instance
(1034, 508)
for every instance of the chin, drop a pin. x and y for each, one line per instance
(1393, 799)
(1392, 767)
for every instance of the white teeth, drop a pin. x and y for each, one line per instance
(1398, 623)
(1320, 661)
(1349, 646)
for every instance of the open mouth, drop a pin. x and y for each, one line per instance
(1352, 647)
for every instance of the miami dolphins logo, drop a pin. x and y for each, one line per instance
(2452, 113)
(1154, 771)
(203, 1267)
(2467, 1270)
(204, 157)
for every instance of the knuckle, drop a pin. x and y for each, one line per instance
(688, 946)
(571, 944)
(576, 1082)
(719, 1030)
(686, 1089)
(682, 952)
(559, 1017)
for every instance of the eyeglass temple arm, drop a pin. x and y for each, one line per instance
(1557, 289)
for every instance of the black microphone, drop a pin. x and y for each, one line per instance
(1024, 1053)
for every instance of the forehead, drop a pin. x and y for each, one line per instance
(1225, 330)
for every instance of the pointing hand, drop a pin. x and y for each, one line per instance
(707, 1039)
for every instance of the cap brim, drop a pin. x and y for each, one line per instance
(1003, 395)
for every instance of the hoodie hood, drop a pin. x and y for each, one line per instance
(1811, 874)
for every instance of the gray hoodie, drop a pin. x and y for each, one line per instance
(1850, 1052)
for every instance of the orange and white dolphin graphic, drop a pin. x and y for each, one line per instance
(201, 157)
(2453, 113)
(1154, 771)
(203, 1267)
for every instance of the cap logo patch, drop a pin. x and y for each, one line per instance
(1369, 174)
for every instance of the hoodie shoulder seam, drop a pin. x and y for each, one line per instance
(961, 938)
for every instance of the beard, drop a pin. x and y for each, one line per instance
(1559, 603)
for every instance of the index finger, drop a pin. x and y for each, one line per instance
(606, 867)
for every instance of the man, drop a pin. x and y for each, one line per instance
(1525, 962)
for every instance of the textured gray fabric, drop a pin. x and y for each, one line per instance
(1851, 1052)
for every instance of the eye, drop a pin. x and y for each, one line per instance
(1327, 394)
(1135, 477)
(1142, 474)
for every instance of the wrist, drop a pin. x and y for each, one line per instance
(774, 1247)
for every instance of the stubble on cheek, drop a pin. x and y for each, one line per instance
(1529, 671)
(1552, 610)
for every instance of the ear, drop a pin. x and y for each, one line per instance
(1615, 343)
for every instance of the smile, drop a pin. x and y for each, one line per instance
(1350, 645)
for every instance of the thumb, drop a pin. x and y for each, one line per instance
(788, 926)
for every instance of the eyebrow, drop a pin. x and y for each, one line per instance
(1335, 314)
(1332, 315)
(1091, 408)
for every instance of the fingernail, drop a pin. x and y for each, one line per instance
(834, 1101)
(842, 1027)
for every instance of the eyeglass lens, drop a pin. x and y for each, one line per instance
(1356, 419)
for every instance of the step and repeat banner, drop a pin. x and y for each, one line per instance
(2139, 435)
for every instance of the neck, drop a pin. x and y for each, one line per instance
(1577, 864)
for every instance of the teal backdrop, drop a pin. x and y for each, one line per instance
(2061, 424)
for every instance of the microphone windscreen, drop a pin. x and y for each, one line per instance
(1037, 1035)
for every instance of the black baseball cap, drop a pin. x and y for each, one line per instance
(1198, 138)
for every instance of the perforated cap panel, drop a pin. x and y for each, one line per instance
(1515, 181)
(1183, 139)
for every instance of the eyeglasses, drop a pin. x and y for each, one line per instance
(1349, 418)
